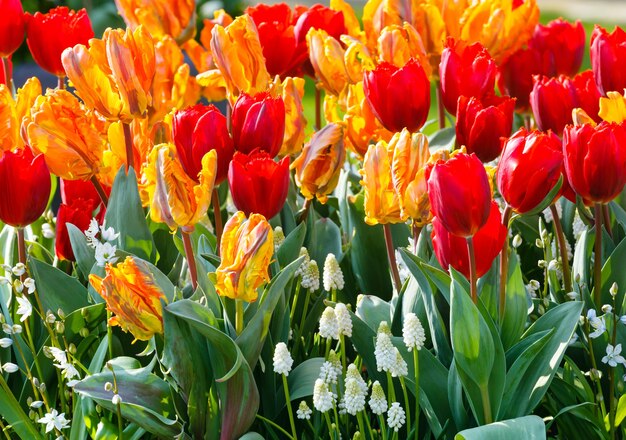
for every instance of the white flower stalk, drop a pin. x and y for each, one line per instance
(279, 237)
(396, 417)
(613, 356)
(323, 397)
(331, 369)
(329, 326)
(354, 397)
(413, 332)
(282, 359)
(333, 276)
(304, 412)
(343, 319)
(54, 420)
(399, 367)
(384, 350)
(25, 308)
(378, 401)
(311, 276)
(91, 232)
(353, 373)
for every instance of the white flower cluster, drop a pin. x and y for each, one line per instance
(300, 270)
(335, 322)
(304, 412)
(279, 237)
(333, 276)
(378, 400)
(396, 417)
(311, 276)
(105, 251)
(68, 371)
(331, 369)
(323, 397)
(388, 357)
(413, 332)
(613, 356)
(355, 391)
(282, 359)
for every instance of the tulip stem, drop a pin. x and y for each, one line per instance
(472, 262)
(504, 263)
(238, 316)
(7, 74)
(217, 214)
(597, 266)
(417, 230)
(128, 140)
(391, 255)
(318, 108)
(441, 110)
(567, 278)
(191, 260)
(607, 220)
(61, 82)
(21, 249)
(528, 122)
(100, 190)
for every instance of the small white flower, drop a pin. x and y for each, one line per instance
(578, 226)
(29, 283)
(36, 404)
(91, 233)
(553, 265)
(25, 308)
(384, 350)
(353, 398)
(304, 412)
(108, 234)
(279, 237)
(105, 253)
(606, 308)
(343, 319)
(329, 326)
(68, 371)
(353, 373)
(47, 231)
(572, 295)
(396, 417)
(116, 399)
(19, 269)
(6, 342)
(4, 281)
(613, 356)
(623, 319)
(613, 290)
(18, 286)
(413, 332)
(403, 270)
(311, 276)
(333, 276)
(597, 323)
(323, 397)
(542, 264)
(378, 401)
(517, 241)
(54, 420)
(7, 329)
(331, 369)
(282, 359)
(10, 367)
(16, 329)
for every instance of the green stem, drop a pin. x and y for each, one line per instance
(100, 190)
(299, 341)
(383, 427)
(289, 409)
(416, 366)
(296, 296)
(330, 425)
(191, 260)
(391, 256)
(567, 277)
(269, 422)
(594, 365)
(392, 391)
(406, 403)
(612, 408)
(217, 218)
(120, 421)
(504, 263)
(342, 343)
(238, 316)
(318, 108)
(597, 266)
(484, 394)
(109, 335)
(472, 262)
(607, 219)
(441, 110)
(416, 235)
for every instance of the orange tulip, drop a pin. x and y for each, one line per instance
(175, 18)
(295, 122)
(397, 44)
(327, 58)
(12, 111)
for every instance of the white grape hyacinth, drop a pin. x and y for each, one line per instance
(323, 397)
(282, 359)
(378, 401)
(354, 397)
(343, 319)
(329, 326)
(333, 276)
(413, 332)
(396, 417)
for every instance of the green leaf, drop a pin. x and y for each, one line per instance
(57, 289)
(85, 254)
(548, 199)
(582, 257)
(289, 250)
(125, 214)
(325, 239)
(252, 436)
(12, 412)
(613, 272)
(443, 139)
(239, 397)
(302, 379)
(516, 309)
(523, 428)
(620, 413)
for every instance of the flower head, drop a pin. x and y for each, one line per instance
(323, 397)
(304, 412)
(343, 319)
(378, 401)
(333, 276)
(329, 326)
(413, 332)
(396, 417)
(354, 397)
(54, 420)
(282, 359)
(25, 308)
(174, 18)
(613, 356)
(311, 276)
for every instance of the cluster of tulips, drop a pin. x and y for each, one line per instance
(135, 101)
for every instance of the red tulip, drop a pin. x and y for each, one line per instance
(481, 125)
(608, 52)
(451, 250)
(459, 193)
(399, 97)
(12, 26)
(465, 70)
(196, 131)
(595, 160)
(530, 167)
(79, 213)
(562, 46)
(48, 35)
(515, 76)
(258, 184)
(24, 187)
(79, 189)
(258, 122)
(587, 94)
(275, 24)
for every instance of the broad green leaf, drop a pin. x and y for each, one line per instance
(325, 239)
(523, 428)
(57, 289)
(252, 436)
(302, 379)
(582, 258)
(12, 413)
(85, 254)
(373, 310)
(620, 413)
(289, 250)
(516, 309)
(613, 272)
(125, 214)
(442, 139)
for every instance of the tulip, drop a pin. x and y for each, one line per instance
(465, 70)
(588, 96)
(530, 167)
(460, 194)
(25, 186)
(399, 97)
(246, 251)
(12, 26)
(515, 77)
(398, 44)
(295, 122)
(481, 125)
(382, 203)
(258, 184)
(133, 296)
(431, 22)
(562, 46)
(175, 18)
(552, 101)
(327, 57)
(451, 250)
(79, 189)
(198, 130)
(48, 35)
(238, 54)
(175, 198)
(275, 27)
(612, 108)
(71, 138)
(608, 51)
(595, 160)
(258, 122)
(12, 111)
(114, 75)
(415, 201)
(319, 164)
(77, 212)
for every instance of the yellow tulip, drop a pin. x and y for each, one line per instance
(613, 107)
(429, 22)
(319, 164)
(175, 18)
(382, 204)
(238, 54)
(175, 198)
(327, 58)
(246, 250)
(71, 137)
(295, 122)
(416, 204)
(349, 17)
(398, 44)
(114, 75)
(133, 296)
(12, 112)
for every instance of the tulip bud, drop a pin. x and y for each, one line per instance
(607, 51)
(246, 250)
(327, 58)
